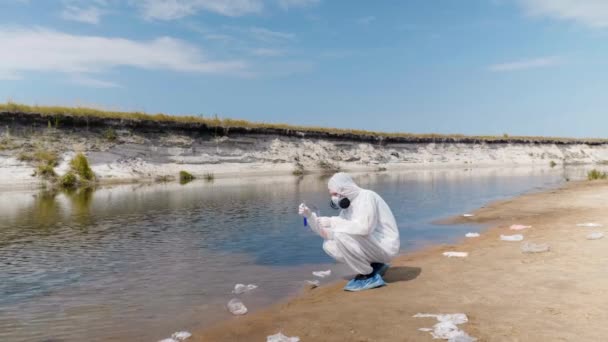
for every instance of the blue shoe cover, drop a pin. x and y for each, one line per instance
(380, 268)
(365, 284)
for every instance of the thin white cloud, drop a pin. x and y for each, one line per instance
(7, 75)
(176, 9)
(93, 82)
(264, 52)
(287, 4)
(533, 63)
(219, 37)
(44, 50)
(89, 15)
(366, 20)
(593, 13)
(267, 35)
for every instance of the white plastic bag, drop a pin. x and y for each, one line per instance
(236, 307)
(595, 236)
(178, 337)
(322, 274)
(242, 288)
(530, 247)
(447, 328)
(181, 335)
(472, 235)
(589, 225)
(516, 237)
(279, 337)
(462, 337)
(468, 215)
(456, 254)
(313, 283)
(519, 227)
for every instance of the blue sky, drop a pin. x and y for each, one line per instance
(522, 67)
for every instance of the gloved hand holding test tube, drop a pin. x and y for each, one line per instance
(306, 212)
(312, 209)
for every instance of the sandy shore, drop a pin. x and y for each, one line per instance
(560, 295)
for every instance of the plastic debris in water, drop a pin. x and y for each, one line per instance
(313, 283)
(242, 288)
(516, 237)
(181, 335)
(472, 235)
(595, 236)
(589, 225)
(178, 336)
(519, 227)
(530, 247)
(447, 328)
(322, 274)
(236, 307)
(467, 215)
(456, 254)
(279, 337)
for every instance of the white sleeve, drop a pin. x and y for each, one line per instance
(363, 220)
(312, 223)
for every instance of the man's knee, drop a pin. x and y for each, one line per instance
(330, 247)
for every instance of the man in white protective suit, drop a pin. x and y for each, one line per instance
(364, 235)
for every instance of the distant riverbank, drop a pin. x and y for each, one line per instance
(140, 149)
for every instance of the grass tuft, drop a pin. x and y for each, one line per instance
(80, 165)
(595, 175)
(45, 171)
(164, 179)
(185, 177)
(110, 134)
(209, 177)
(69, 180)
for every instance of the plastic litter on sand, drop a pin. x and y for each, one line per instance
(456, 254)
(447, 328)
(322, 274)
(242, 288)
(595, 236)
(516, 237)
(279, 337)
(530, 247)
(589, 225)
(472, 235)
(467, 215)
(519, 227)
(178, 336)
(313, 283)
(236, 307)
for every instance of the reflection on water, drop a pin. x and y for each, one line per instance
(141, 261)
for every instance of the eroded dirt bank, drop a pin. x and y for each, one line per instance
(135, 150)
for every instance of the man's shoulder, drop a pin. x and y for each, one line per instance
(371, 194)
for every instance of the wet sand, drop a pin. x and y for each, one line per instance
(560, 295)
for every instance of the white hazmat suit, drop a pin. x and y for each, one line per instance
(364, 233)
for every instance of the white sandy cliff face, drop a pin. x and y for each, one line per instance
(133, 156)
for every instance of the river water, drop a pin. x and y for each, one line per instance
(138, 262)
